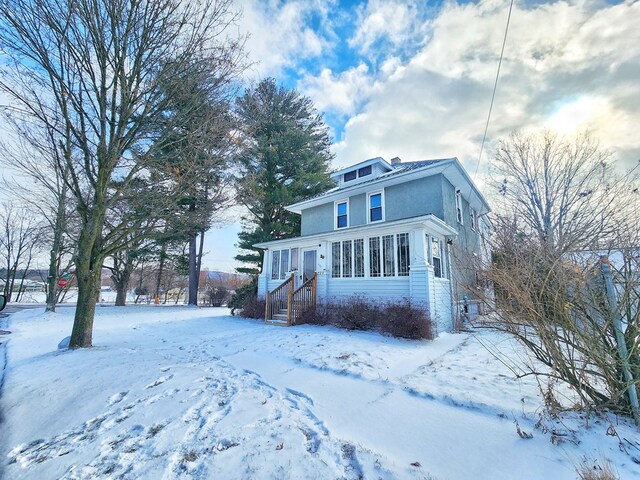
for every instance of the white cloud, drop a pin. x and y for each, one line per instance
(280, 35)
(338, 93)
(379, 21)
(567, 65)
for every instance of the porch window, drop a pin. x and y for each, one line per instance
(375, 207)
(280, 264)
(346, 258)
(374, 257)
(294, 259)
(459, 207)
(436, 258)
(335, 259)
(358, 258)
(387, 243)
(342, 219)
(275, 265)
(284, 263)
(403, 254)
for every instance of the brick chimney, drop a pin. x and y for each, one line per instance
(395, 160)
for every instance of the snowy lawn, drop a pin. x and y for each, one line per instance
(176, 392)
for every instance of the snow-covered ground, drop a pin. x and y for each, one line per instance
(179, 392)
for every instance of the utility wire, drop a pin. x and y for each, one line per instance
(495, 87)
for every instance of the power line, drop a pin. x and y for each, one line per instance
(495, 87)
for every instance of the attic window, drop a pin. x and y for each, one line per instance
(350, 175)
(364, 171)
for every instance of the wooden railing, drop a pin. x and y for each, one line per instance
(302, 299)
(279, 299)
(285, 299)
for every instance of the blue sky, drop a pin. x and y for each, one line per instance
(413, 78)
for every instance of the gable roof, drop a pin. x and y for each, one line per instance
(398, 173)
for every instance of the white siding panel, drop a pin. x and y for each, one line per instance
(442, 314)
(392, 288)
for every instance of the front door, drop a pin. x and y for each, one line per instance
(308, 264)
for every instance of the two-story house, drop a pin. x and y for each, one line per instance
(386, 231)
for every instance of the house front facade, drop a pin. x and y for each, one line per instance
(387, 231)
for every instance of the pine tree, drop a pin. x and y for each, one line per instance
(284, 158)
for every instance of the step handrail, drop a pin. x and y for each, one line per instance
(302, 298)
(279, 297)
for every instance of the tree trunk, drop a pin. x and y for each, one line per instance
(88, 292)
(121, 293)
(89, 262)
(54, 258)
(193, 270)
(160, 269)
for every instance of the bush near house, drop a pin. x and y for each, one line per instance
(253, 308)
(399, 319)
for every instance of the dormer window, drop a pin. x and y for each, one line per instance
(359, 173)
(376, 213)
(364, 171)
(342, 216)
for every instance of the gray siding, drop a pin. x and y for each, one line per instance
(412, 199)
(467, 242)
(358, 210)
(317, 219)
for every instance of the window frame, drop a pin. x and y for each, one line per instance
(336, 204)
(459, 214)
(365, 171)
(369, 208)
(279, 273)
(440, 258)
(474, 220)
(355, 175)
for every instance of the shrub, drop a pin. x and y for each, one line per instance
(316, 315)
(406, 321)
(357, 314)
(243, 295)
(253, 308)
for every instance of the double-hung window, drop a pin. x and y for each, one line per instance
(436, 256)
(474, 220)
(459, 206)
(342, 214)
(375, 207)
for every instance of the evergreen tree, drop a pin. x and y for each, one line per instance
(284, 158)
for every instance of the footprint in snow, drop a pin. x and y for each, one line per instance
(159, 381)
(117, 398)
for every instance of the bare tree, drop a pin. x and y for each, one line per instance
(19, 232)
(560, 207)
(36, 154)
(559, 190)
(97, 67)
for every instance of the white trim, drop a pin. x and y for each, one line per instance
(459, 209)
(335, 213)
(369, 195)
(456, 176)
(429, 222)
